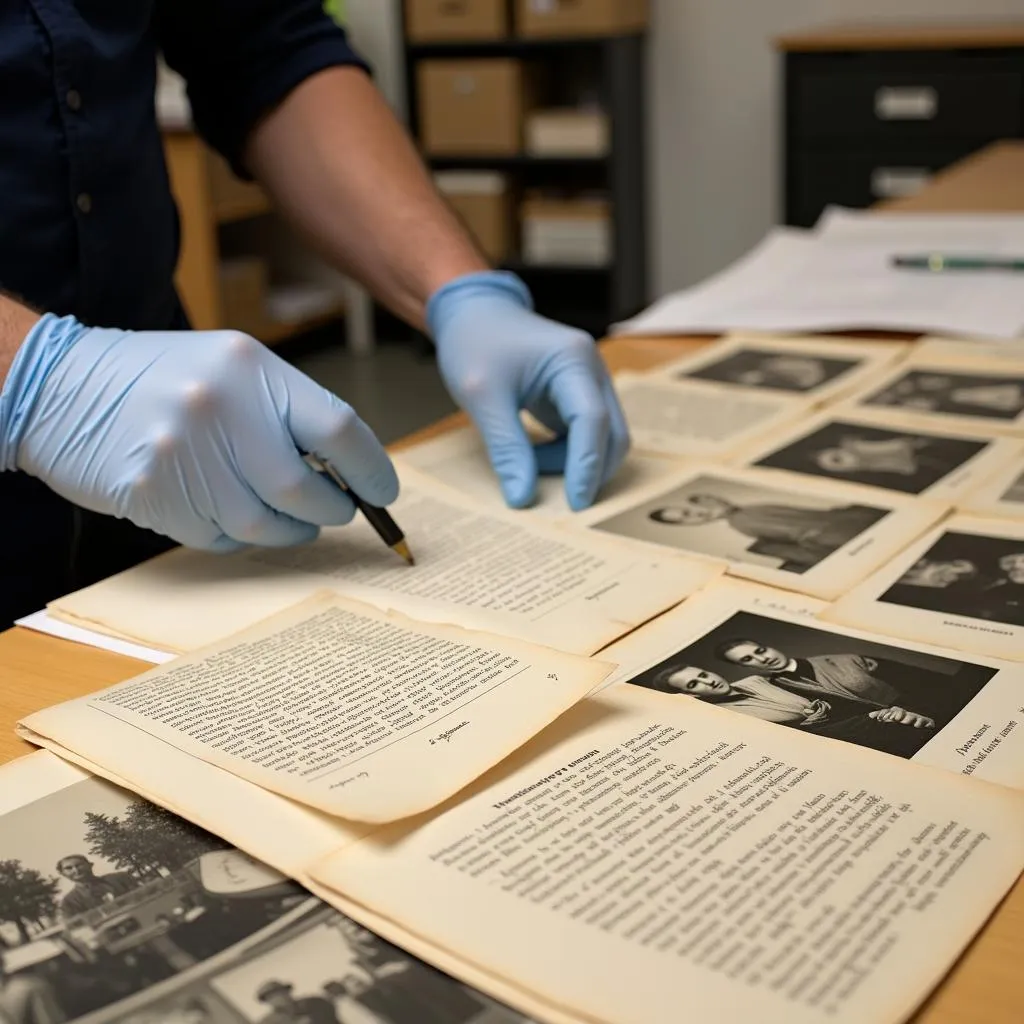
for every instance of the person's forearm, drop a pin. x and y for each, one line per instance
(16, 321)
(341, 167)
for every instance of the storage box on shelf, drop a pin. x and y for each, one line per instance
(433, 21)
(546, 18)
(566, 231)
(473, 107)
(483, 200)
(567, 132)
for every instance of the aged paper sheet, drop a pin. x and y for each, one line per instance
(496, 572)
(1000, 495)
(718, 863)
(943, 391)
(688, 419)
(815, 370)
(766, 655)
(459, 460)
(355, 712)
(960, 586)
(873, 448)
(817, 538)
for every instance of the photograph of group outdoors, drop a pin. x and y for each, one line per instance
(115, 910)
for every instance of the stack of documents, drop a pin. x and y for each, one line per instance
(840, 277)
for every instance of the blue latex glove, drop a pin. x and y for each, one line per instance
(196, 435)
(497, 356)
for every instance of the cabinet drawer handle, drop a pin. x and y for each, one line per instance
(895, 182)
(906, 103)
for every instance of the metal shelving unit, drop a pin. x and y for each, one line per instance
(587, 296)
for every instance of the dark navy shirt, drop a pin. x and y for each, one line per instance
(87, 223)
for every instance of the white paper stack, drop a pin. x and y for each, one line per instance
(840, 277)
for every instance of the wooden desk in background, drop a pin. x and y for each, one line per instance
(987, 984)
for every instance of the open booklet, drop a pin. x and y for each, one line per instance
(121, 913)
(483, 568)
(714, 860)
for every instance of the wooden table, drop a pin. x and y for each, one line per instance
(987, 985)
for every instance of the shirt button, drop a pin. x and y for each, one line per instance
(84, 202)
(73, 98)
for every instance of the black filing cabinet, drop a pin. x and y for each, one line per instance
(870, 123)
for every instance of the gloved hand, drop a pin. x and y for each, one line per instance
(497, 357)
(198, 435)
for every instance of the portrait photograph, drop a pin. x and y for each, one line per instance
(860, 691)
(745, 522)
(773, 370)
(953, 393)
(858, 453)
(966, 574)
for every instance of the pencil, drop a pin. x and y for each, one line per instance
(380, 519)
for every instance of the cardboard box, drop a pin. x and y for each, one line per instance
(243, 294)
(580, 17)
(483, 201)
(441, 21)
(567, 133)
(567, 231)
(472, 107)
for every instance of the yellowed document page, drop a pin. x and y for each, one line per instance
(482, 569)
(816, 370)
(976, 393)
(961, 586)
(459, 460)
(358, 713)
(1001, 495)
(816, 538)
(716, 863)
(686, 419)
(772, 659)
(872, 448)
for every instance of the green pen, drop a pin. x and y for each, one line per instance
(937, 263)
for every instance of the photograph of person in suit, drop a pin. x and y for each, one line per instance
(990, 396)
(772, 700)
(969, 575)
(776, 371)
(799, 537)
(851, 676)
(804, 677)
(860, 454)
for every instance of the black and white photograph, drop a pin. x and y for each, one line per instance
(773, 370)
(951, 393)
(906, 461)
(746, 522)
(966, 574)
(113, 909)
(865, 692)
(1015, 492)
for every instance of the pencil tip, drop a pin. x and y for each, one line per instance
(403, 549)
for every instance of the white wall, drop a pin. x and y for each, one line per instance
(375, 28)
(715, 121)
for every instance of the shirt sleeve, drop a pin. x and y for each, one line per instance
(240, 58)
